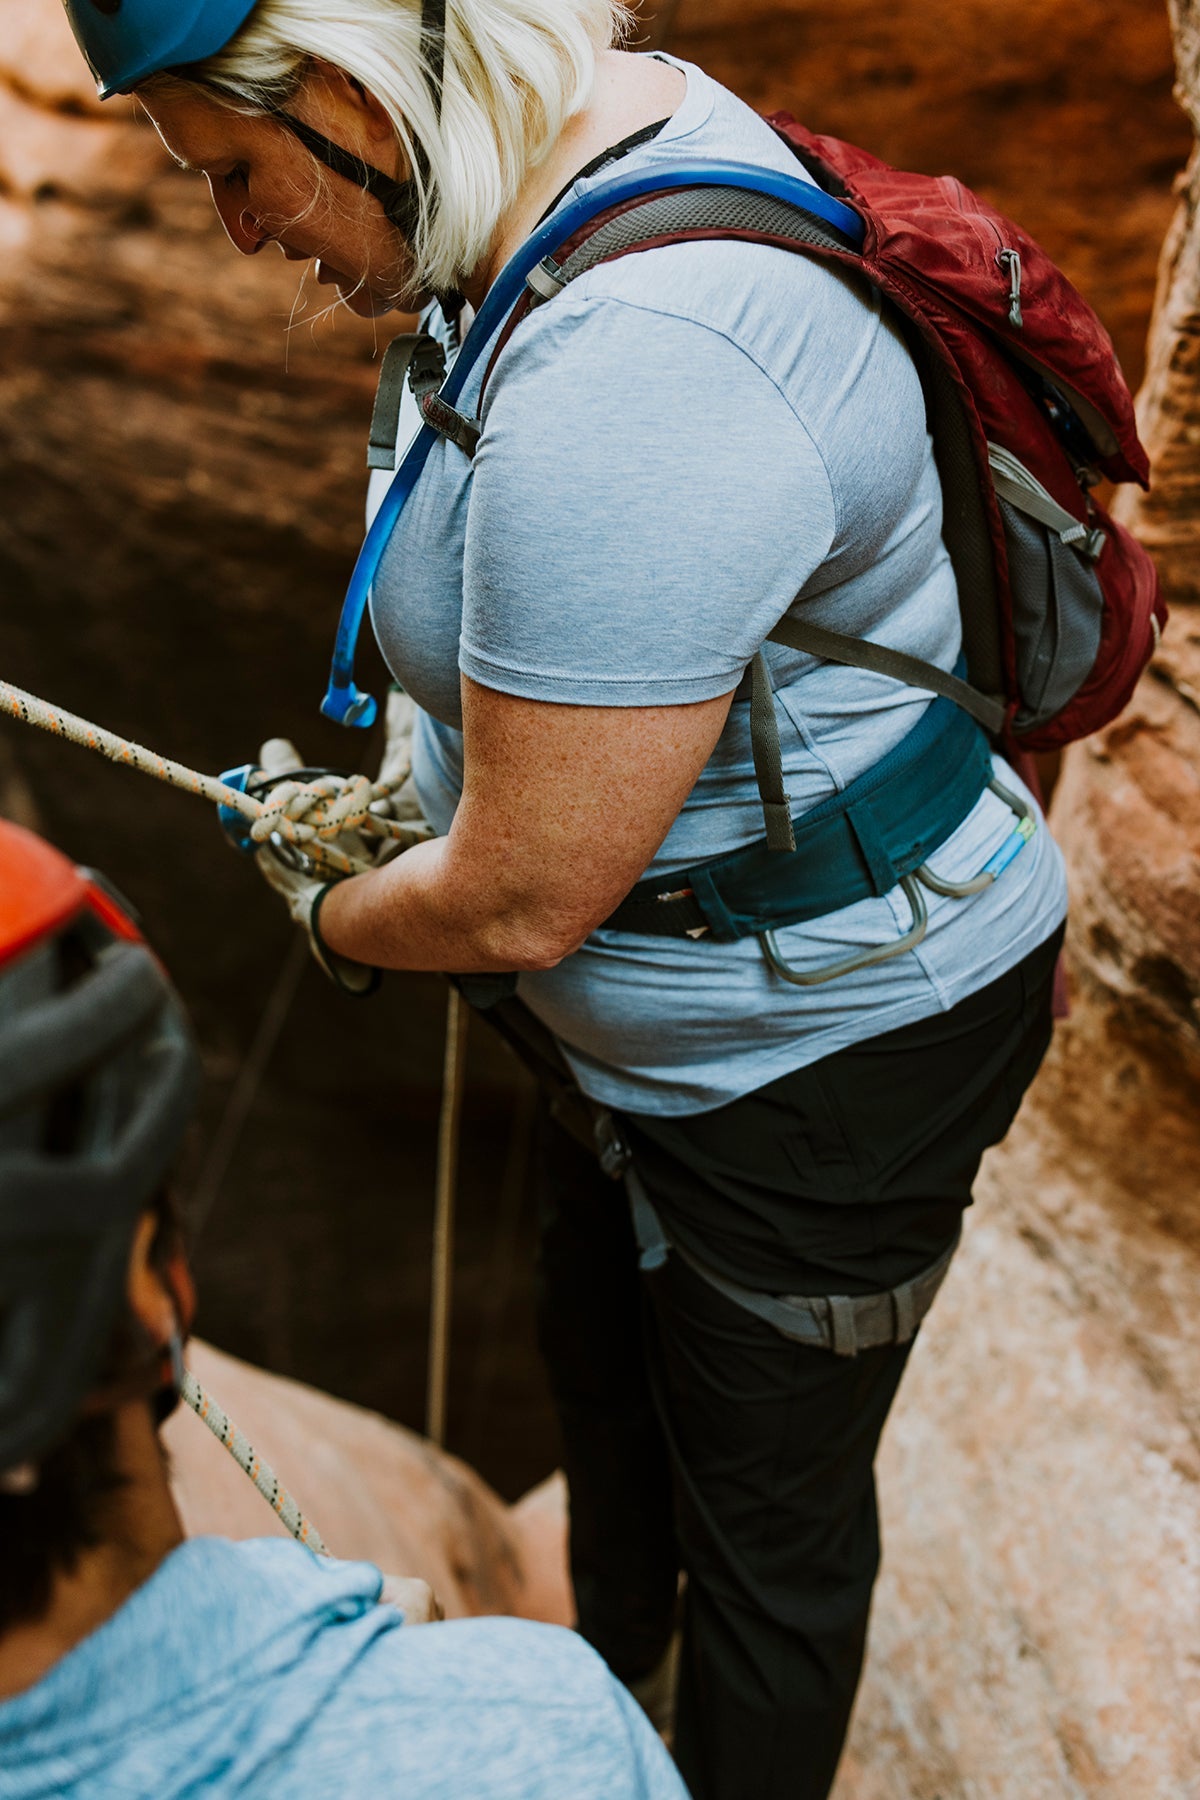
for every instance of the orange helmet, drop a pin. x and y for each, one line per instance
(98, 1077)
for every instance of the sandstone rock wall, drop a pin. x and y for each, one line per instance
(182, 480)
(1036, 1630)
(376, 1493)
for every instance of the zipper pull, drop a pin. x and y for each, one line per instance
(1011, 260)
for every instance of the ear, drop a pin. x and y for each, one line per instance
(163, 1303)
(339, 96)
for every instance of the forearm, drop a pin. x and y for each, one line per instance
(562, 811)
(429, 910)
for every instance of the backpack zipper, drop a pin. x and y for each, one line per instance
(1011, 261)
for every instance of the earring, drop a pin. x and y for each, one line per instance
(178, 1369)
(21, 1480)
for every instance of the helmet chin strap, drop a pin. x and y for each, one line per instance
(400, 200)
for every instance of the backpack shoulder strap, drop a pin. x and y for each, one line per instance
(860, 653)
(681, 215)
(689, 214)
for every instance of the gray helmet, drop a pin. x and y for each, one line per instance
(98, 1080)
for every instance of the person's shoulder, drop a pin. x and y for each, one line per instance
(503, 1709)
(763, 298)
(504, 1661)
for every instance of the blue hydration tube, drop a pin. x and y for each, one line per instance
(344, 702)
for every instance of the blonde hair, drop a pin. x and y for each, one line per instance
(515, 72)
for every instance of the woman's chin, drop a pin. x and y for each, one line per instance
(355, 296)
(364, 304)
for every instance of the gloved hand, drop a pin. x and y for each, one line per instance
(303, 888)
(295, 860)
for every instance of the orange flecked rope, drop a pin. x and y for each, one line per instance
(308, 816)
(247, 1458)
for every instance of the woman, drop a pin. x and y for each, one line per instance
(671, 451)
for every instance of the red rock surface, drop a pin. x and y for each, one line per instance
(181, 508)
(374, 1491)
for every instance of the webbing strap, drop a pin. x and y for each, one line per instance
(987, 710)
(842, 1323)
(450, 424)
(768, 757)
(397, 359)
(1013, 482)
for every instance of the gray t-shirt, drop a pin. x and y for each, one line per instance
(672, 451)
(247, 1670)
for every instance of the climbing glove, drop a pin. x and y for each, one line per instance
(302, 894)
(372, 836)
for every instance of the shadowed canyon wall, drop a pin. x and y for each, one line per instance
(182, 486)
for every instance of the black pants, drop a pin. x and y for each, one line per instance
(695, 1437)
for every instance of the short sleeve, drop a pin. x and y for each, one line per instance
(645, 505)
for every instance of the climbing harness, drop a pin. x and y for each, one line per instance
(844, 1324)
(877, 834)
(250, 1462)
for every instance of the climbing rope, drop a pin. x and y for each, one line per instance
(319, 819)
(247, 1458)
(449, 1135)
(307, 816)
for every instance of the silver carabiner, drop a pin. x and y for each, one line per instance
(864, 959)
(995, 865)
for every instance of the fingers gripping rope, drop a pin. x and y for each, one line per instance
(244, 1455)
(309, 816)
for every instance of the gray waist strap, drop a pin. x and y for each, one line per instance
(842, 1323)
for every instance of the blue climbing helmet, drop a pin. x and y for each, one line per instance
(127, 41)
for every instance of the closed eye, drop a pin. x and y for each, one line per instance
(238, 176)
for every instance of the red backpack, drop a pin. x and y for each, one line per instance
(1028, 411)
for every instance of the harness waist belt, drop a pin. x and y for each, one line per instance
(855, 845)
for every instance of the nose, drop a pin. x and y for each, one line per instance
(244, 230)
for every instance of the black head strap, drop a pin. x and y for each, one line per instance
(398, 198)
